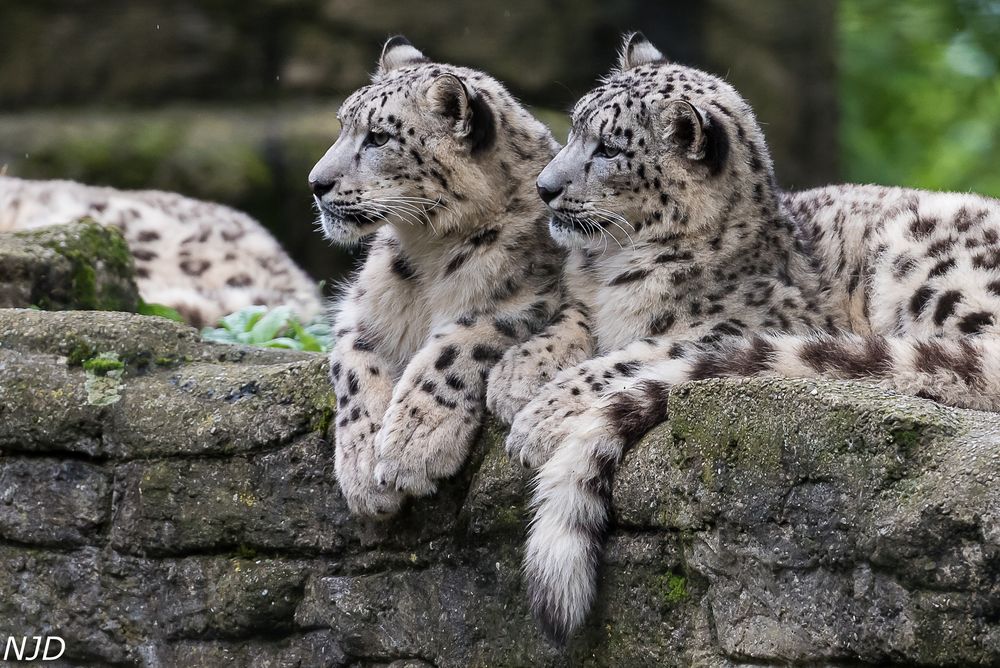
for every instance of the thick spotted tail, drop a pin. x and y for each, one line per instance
(572, 506)
(566, 538)
(572, 497)
(962, 372)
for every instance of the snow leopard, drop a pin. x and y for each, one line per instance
(434, 167)
(203, 259)
(688, 262)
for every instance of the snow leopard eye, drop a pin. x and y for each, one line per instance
(605, 151)
(376, 138)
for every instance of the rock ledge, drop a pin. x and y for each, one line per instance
(167, 502)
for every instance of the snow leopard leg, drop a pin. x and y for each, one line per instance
(522, 372)
(437, 406)
(362, 382)
(551, 418)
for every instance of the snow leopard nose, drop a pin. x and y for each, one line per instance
(547, 193)
(321, 188)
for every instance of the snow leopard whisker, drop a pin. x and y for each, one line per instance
(398, 207)
(383, 213)
(601, 217)
(398, 211)
(418, 204)
(401, 204)
(614, 219)
(437, 203)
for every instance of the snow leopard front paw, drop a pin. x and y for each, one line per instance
(545, 423)
(355, 463)
(421, 441)
(522, 373)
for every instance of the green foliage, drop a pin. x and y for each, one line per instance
(278, 328)
(920, 93)
(145, 308)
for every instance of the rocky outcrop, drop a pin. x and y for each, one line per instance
(166, 502)
(78, 266)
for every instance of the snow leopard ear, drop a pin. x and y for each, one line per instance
(471, 117)
(694, 133)
(398, 52)
(637, 50)
(450, 98)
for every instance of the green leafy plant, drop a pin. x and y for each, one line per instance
(277, 328)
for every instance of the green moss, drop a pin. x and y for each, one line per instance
(102, 365)
(324, 419)
(80, 353)
(103, 379)
(906, 437)
(672, 588)
(245, 552)
(320, 395)
(84, 284)
(146, 308)
(89, 246)
(510, 518)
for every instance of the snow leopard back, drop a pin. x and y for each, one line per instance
(904, 262)
(204, 259)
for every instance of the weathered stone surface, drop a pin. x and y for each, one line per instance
(190, 517)
(832, 522)
(52, 502)
(79, 265)
(317, 649)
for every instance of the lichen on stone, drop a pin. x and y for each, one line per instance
(103, 375)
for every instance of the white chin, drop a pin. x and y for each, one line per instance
(343, 233)
(569, 238)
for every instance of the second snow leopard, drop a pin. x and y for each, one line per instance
(692, 264)
(439, 163)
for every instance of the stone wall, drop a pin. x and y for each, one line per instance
(167, 502)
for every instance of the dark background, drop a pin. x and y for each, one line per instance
(234, 101)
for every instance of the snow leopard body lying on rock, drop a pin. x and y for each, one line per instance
(687, 262)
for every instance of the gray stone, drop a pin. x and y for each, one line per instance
(80, 265)
(52, 502)
(193, 519)
(315, 649)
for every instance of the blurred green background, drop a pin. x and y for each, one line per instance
(233, 101)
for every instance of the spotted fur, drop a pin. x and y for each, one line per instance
(203, 259)
(693, 264)
(438, 163)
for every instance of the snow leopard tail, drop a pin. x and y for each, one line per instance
(572, 511)
(962, 372)
(572, 496)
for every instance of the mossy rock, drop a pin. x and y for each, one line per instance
(78, 266)
(167, 501)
